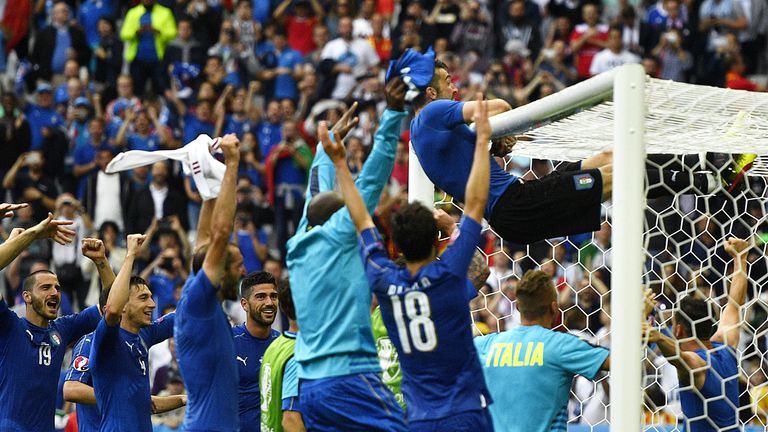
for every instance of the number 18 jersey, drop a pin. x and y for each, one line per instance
(428, 320)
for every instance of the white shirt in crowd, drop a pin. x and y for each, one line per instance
(606, 60)
(359, 54)
(158, 197)
(108, 206)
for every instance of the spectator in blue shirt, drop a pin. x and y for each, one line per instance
(143, 137)
(164, 273)
(269, 131)
(55, 44)
(85, 155)
(42, 115)
(287, 68)
(91, 12)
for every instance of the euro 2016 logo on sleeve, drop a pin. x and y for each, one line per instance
(583, 181)
(80, 364)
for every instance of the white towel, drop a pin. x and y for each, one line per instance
(195, 157)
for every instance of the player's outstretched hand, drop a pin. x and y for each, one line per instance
(55, 229)
(334, 150)
(395, 92)
(15, 233)
(94, 249)
(346, 123)
(649, 303)
(6, 209)
(444, 222)
(736, 247)
(230, 145)
(134, 242)
(650, 333)
(482, 125)
(501, 147)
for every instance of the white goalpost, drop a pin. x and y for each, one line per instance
(645, 115)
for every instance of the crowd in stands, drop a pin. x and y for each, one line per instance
(83, 80)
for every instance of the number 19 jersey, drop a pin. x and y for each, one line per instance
(428, 320)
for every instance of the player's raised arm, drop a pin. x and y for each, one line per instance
(476, 195)
(690, 367)
(495, 106)
(352, 198)
(730, 321)
(223, 212)
(118, 295)
(378, 168)
(204, 222)
(94, 250)
(49, 228)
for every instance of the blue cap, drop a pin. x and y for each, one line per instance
(82, 101)
(44, 87)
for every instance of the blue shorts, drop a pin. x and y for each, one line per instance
(359, 402)
(469, 421)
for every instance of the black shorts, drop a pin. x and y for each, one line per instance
(562, 203)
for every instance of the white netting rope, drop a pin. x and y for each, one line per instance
(681, 119)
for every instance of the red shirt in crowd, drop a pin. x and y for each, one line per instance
(583, 57)
(738, 82)
(299, 30)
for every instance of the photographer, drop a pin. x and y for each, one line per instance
(31, 185)
(675, 61)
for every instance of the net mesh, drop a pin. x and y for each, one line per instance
(680, 119)
(684, 256)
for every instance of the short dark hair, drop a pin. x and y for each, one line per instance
(253, 279)
(696, 317)
(322, 206)
(285, 299)
(29, 281)
(421, 99)
(414, 231)
(535, 293)
(136, 281)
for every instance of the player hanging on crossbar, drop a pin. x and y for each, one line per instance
(564, 202)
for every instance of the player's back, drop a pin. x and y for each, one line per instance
(722, 374)
(540, 365)
(206, 356)
(428, 320)
(333, 302)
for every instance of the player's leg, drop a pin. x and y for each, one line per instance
(359, 402)
(558, 204)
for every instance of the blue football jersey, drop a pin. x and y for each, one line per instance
(428, 320)
(541, 363)
(88, 417)
(248, 352)
(120, 371)
(206, 355)
(445, 146)
(722, 380)
(30, 362)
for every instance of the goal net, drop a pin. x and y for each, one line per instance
(682, 249)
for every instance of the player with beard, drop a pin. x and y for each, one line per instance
(204, 345)
(258, 297)
(32, 348)
(120, 352)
